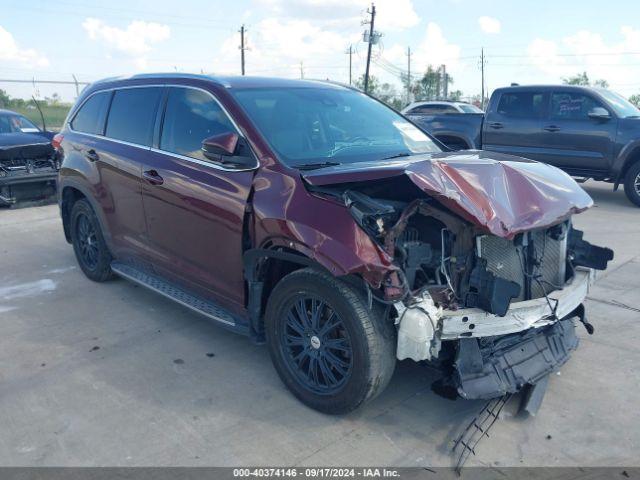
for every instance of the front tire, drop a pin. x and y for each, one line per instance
(632, 183)
(88, 243)
(328, 347)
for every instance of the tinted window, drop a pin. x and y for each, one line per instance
(521, 104)
(132, 114)
(90, 117)
(433, 109)
(572, 106)
(190, 117)
(469, 108)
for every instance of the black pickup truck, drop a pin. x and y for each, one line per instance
(587, 132)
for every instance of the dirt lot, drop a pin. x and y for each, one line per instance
(112, 374)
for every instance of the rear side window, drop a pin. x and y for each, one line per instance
(522, 104)
(190, 117)
(90, 117)
(434, 109)
(132, 114)
(572, 106)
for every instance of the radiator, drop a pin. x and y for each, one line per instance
(504, 259)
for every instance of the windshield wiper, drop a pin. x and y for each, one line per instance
(396, 155)
(313, 166)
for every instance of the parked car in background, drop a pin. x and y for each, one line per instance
(587, 132)
(28, 161)
(439, 108)
(316, 219)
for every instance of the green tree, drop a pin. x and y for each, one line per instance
(384, 92)
(635, 99)
(5, 99)
(430, 86)
(455, 96)
(583, 79)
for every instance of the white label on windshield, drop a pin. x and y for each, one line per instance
(29, 130)
(410, 131)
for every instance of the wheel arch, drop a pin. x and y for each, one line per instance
(628, 156)
(70, 193)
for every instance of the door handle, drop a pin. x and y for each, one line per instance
(496, 125)
(152, 177)
(551, 128)
(92, 155)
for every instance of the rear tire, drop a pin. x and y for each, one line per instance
(632, 183)
(328, 347)
(88, 243)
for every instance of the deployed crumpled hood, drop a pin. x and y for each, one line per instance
(501, 193)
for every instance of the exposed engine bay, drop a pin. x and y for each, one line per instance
(463, 295)
(27, 172)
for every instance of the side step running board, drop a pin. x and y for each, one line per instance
(178, 294)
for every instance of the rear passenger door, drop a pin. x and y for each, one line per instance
(514, 125)
(195, 207)
(128, 133)
(109, 136)
(576, 142)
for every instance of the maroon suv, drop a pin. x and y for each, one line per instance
(314, 218)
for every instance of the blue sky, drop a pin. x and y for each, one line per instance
(524, 41)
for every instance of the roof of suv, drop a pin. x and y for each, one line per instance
(238, 82)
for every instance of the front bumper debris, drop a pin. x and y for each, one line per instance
(474, 322)
(491, 368)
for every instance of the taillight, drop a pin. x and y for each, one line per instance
(57, 141)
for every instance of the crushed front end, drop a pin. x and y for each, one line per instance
(27, 171)
(490, 275)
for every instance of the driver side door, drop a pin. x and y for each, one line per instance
(195, 207)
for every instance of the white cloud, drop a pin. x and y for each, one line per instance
(390, 14)
(11, 51)
(436, 50)
(589, 52)
(136, 40)
(277, 46)
(489, 24)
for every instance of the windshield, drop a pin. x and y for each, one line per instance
(11, 123)
(467, 108)
(328, 126)
(620, 105)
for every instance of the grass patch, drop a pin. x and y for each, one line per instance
(54, 115)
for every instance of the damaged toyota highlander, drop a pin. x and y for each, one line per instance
(315, 219)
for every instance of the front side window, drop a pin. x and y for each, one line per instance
(190, 117)
(521, 104)
(90, 117)
(326, 124)
(572, 106)
(132, 114)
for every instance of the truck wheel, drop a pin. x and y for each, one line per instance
(88, 243)
(632, 183)
(327, 346)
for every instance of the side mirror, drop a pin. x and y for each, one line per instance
(599, 113)
(223, 144)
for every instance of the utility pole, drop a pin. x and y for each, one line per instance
(408, 75)
(372, 12)
(301, 69)
(350, 53)
(242, 48)
(445, 81)
(482, 62)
